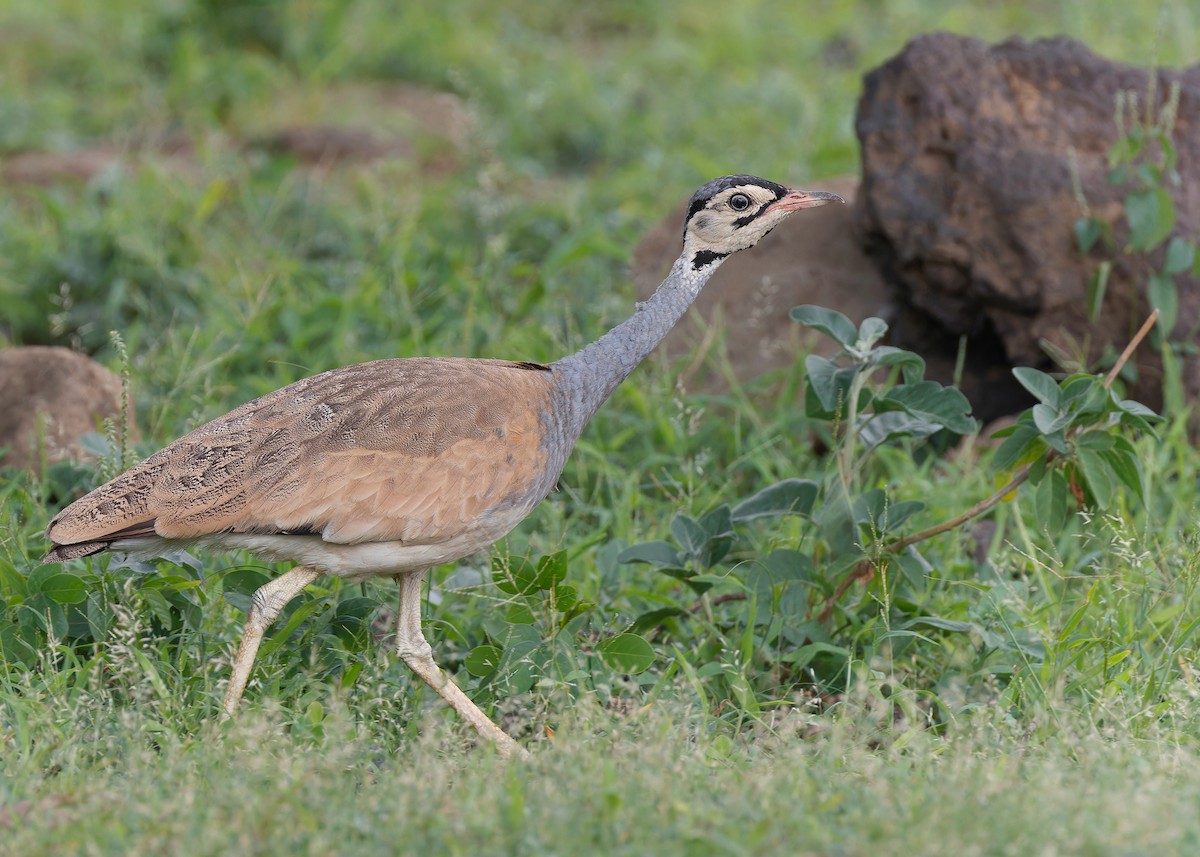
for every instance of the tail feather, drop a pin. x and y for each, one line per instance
(62, 553)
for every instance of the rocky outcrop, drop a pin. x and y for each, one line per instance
(967, 202)
(49, 399)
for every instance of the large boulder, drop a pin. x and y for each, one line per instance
(967, 203)
(49, 399)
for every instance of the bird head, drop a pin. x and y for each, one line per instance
(733, 212)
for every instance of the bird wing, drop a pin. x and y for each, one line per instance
(412, 450)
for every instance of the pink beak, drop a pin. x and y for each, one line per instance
(798, 199)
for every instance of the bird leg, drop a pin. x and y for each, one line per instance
(265, 606)
(415, 651)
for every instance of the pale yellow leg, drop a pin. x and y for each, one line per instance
(265, 606)
(415, 651)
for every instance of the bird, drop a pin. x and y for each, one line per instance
(395, 466)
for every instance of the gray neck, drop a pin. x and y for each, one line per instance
(586, 379)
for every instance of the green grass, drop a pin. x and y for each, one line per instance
(1047, 709)
(845, 784)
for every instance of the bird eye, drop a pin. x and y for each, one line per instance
(739, 202)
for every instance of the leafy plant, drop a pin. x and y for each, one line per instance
(1143, 161)
(1069, 446)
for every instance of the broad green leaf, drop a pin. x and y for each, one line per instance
(879, 428)
(1087, 233)
(930, 401)
(515, 675)
(1056, 441)
(814, 408)
(654, 553)
(907, 635)
(689, 534)
(350, 676)
(828, 321)
(654, 618)
(158, 604)
(18, 644)
(519, 614)
(805, 655)
(876, 511)
(357, 607)
(939, 623)
(789, 497)
(515, 575)
(1024, 444)
(1050, 502)
(99, 615)
(47, 615)
(299, 615)
(244, 581)
(1148, 174)
(898, 513)
(64, 588)
(793, 605)
(1084, 396)
(1151, 216)
(551, 570)
(835, 519)
(627, 653)
(869, 506)
(518, 648)
(787, 564)
(870, 331)
(1129, 406)
(1048, 420)
(1181, 255)
(717, 523)
(1097, 441)
(565, 598)
(915, 568)
(1042, 386)
(39, 576)
(1098, 475)
(1138, 422)
(1164, 297)
(1125, 463)
(830, 382)
(912, 365)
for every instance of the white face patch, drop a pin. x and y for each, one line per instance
(732, 219)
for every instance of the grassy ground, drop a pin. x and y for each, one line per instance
(1028, 692)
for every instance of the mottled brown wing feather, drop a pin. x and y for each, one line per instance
(408, 449)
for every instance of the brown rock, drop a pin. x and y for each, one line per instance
(49, 399)
(358, 123)
(812, 259)
(967, 203)
(45, 168)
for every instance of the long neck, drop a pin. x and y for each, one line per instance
(586, 379)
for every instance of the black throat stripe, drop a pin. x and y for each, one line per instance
(706, 257)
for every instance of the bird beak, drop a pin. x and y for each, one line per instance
(798, 199)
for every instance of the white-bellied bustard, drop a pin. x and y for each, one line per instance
(391, 467)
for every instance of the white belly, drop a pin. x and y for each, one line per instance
(354, 562)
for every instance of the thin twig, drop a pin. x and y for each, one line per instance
(1128, 352)
(1019, 476)
(720, 599)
